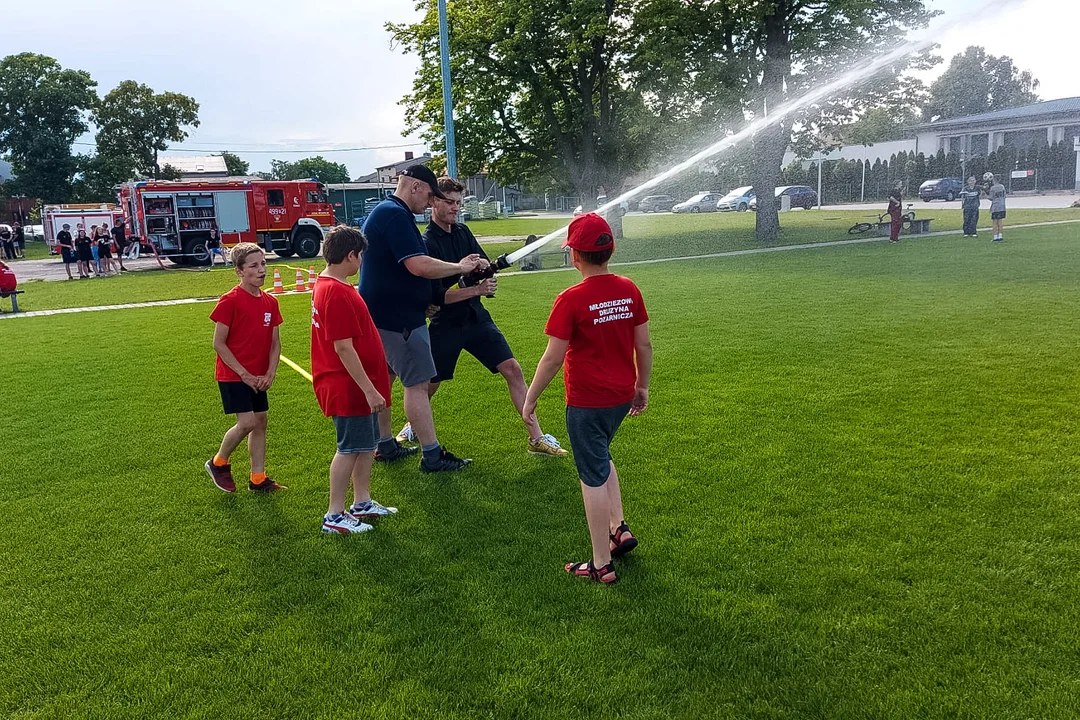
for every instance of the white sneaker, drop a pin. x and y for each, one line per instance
(406, 435)
(343, 524)
(371, 510)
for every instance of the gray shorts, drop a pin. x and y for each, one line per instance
(409, 355)
(591, 431)
(357, 433)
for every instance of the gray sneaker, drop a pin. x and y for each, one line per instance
(371, 510)
(447, 462)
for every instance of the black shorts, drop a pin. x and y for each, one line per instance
(483, 340)
(104, 252)
(591, 431)
(86, 255)
(997, 215)
(238, 397)
(68, 255)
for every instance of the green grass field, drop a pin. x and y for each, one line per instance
(856, 487)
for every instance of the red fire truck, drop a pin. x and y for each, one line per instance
(180, 218)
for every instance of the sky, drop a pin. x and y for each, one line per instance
(321, 74)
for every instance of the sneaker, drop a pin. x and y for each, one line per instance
(447, 462)
(546, 445)
(400, 452)
(371, 510)
(343, 524)
(222, 476)
(266, 486)
(406, 435)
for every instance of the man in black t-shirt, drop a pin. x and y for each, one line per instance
(463, 323)
(67, 248)
(120, 238)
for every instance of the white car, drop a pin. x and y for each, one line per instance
(702, 202)
(737, 200)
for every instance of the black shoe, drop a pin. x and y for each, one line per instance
(400, 452)
(447, 462)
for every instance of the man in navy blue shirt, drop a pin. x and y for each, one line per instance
(395, 282)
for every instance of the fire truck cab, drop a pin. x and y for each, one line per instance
(183, 219)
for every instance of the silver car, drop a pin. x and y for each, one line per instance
(702, 202)
(737, 200)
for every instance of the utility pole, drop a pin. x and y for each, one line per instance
(448, 100)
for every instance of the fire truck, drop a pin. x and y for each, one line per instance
(180, 218)
(54, 217)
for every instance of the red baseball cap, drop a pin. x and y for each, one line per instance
(589, 233)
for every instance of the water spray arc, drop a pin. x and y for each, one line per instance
(858, 74)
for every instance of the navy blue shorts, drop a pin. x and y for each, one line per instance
(238, 397)
(357, 433)
(591, 431)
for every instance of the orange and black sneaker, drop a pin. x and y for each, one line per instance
(221, 475)
(266, 486)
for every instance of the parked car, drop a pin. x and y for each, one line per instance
(947, 189)
(801, 196)
(738, 200)
(702, 202)
(656, 203)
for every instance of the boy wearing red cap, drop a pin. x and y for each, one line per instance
(599, 329)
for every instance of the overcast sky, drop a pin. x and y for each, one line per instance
(320, 74)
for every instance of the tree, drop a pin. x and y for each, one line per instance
(42, 111)
(234, 164)
(878, 125)
(313, 167)
(541, 90)
(976, 82)
(135, 124)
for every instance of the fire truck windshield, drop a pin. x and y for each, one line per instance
(316, 196)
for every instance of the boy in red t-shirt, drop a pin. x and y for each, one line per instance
(248, 348)
(8, 281)
(600, 329)
(348, 368)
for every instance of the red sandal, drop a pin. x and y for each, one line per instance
(605, 574)
(622, 541)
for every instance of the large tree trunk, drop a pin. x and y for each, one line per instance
(769, 144)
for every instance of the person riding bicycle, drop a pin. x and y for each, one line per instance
(896, 211)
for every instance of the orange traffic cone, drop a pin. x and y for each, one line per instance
(311, 277)
(278, 287)
(300, 286)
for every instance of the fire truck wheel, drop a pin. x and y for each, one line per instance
(196, 252)
(307, 241)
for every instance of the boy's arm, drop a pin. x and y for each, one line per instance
(345, 350)
(221, 334)
(546, 371)
(275, 358)
(643, 359)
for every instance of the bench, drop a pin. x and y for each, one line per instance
(13, 294)
(917, 226)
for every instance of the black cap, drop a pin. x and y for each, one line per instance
(423, 172)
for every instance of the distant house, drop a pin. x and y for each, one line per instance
(388, 174)
(201, 167)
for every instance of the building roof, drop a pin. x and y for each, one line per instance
(1034, 111)
(197, 164)
(403, 164)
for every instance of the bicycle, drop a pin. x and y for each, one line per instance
(860, 228)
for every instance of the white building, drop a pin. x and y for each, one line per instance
(979, 135)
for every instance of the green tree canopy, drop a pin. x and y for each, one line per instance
(234, 164)
(313, 167)
(135, 124)
(977, 82)
(43, 110)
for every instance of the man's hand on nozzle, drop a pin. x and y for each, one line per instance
(469, 263)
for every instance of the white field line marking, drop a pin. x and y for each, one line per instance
(303, 373)
(730, 253)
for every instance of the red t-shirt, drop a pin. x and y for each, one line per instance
(7, 280)
(598, 317)
(338, 312)
(251, 320)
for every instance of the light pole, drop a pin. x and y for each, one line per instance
(448, 100)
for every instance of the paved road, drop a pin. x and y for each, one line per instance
(53, 269)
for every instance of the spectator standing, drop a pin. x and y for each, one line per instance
(970, 197)
(95, 255)
(121, 242)
(104, 241)
(896, 211)
(19, 239)
(6, 239)
(997, 206)
(67, 249)
(85, 253)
